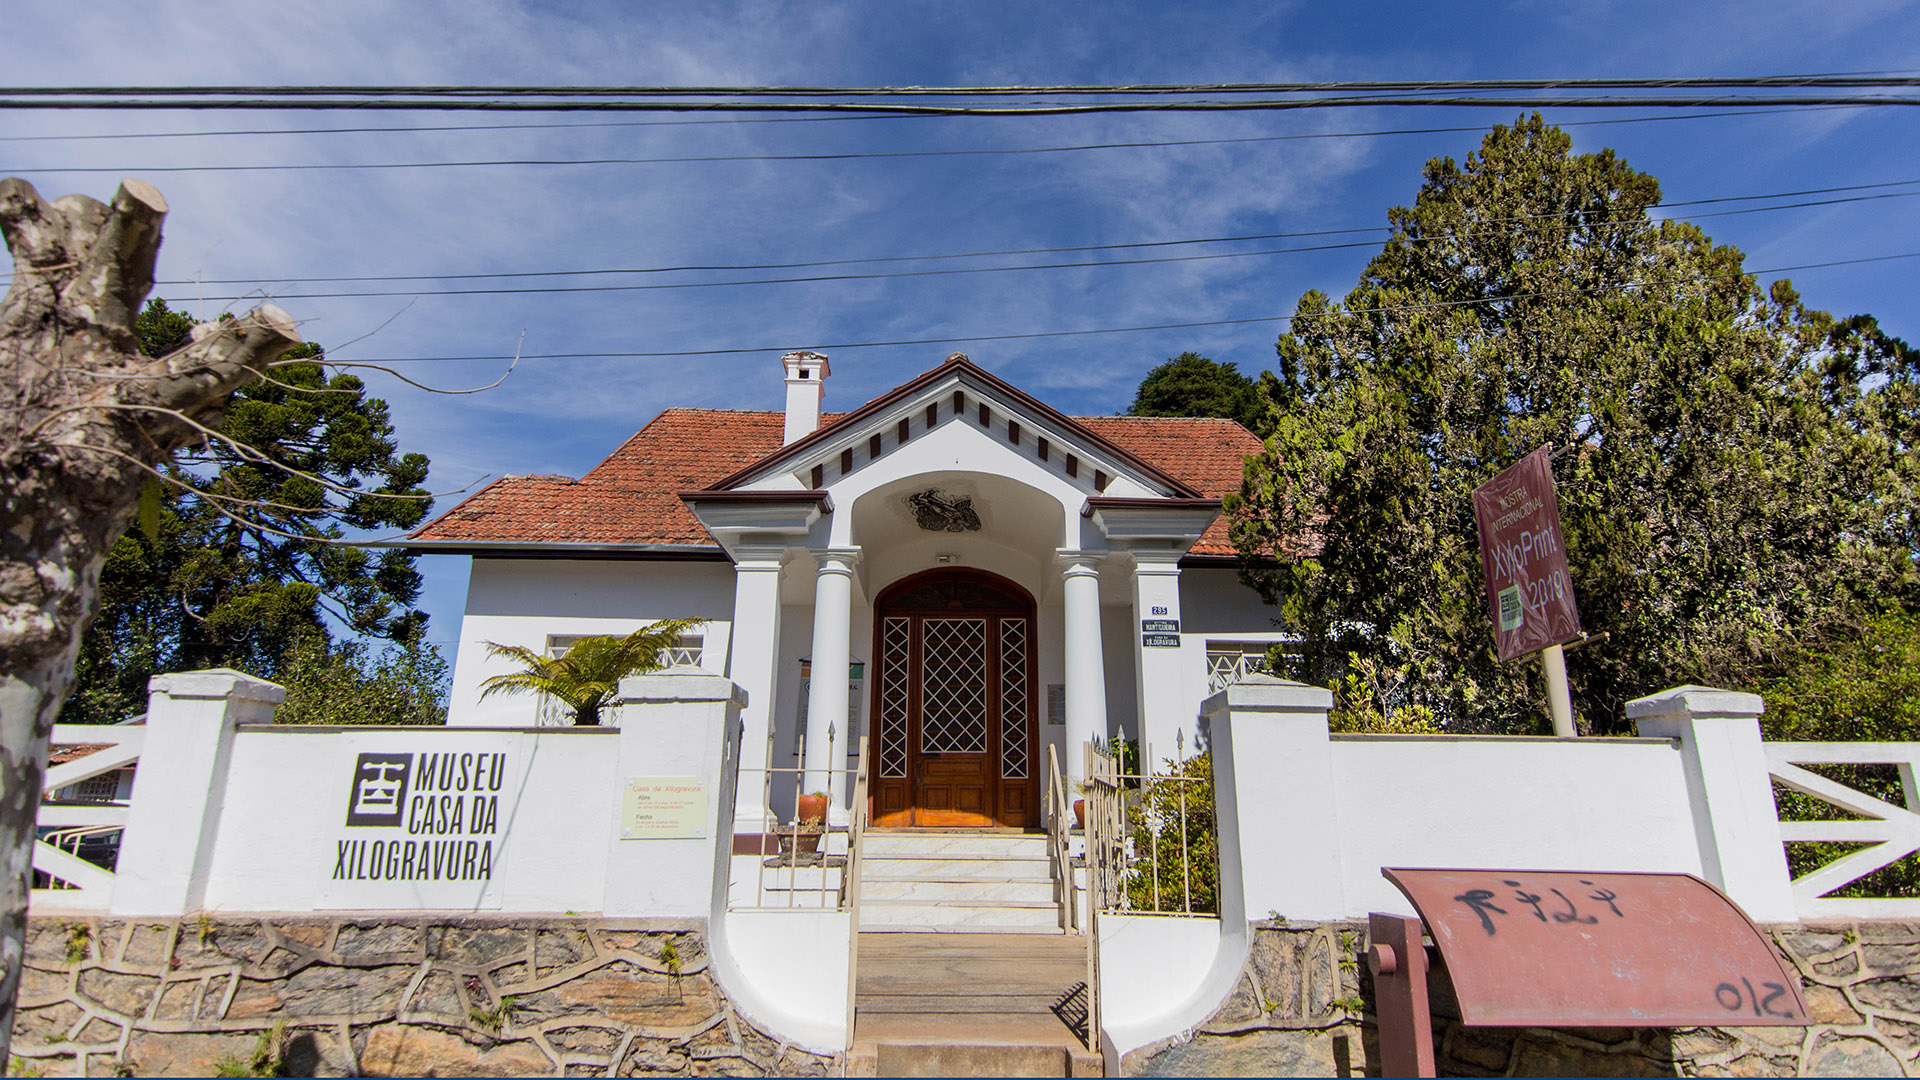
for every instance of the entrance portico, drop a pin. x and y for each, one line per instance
(989, 556)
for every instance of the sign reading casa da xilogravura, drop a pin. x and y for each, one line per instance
(420, 827)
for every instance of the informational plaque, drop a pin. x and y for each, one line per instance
(663, 808)
(1529, 593)
(1549, 948)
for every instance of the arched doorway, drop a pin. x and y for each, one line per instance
(953, 703)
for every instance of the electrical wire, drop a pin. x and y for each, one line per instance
(948, 272)
(1044, 108)
(414, 128)
(1435, 305)
(1828, 79)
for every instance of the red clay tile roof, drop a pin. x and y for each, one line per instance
(631, 497)
(61, 753)
(1201, 451)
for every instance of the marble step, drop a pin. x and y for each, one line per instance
(950, 868)
(958, 931)
(919, 843)
(936, 916)
(947, 890)
(898, 949)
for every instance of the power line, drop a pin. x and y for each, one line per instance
(1043, 108)
(596, 124)
(1435, 305)
(1835, 79)
(718, 158)
(949, 272)
(1133, 245)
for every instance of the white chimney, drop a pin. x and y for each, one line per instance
(805, 373)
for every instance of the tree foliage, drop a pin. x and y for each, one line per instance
(192, 587)
(346, 682)
(1864, 688)
(587, 676)
(1193, 385)
(1735, 470)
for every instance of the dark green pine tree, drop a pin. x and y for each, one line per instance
(1193, 385)
(191, 587)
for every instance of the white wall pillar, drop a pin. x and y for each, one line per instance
(1159, 671)
(675, 727)
(1274, 800)
(180, 784)
(1731, 791)
(753, 663)
(822, 759)
(1086, 668)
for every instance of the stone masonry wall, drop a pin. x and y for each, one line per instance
(1303, 1007)
(454, 996)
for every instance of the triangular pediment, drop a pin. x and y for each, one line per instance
(958, 392)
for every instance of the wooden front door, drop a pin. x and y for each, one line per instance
(954, 703)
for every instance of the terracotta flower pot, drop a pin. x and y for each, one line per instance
(1080, 814)
(813, 808)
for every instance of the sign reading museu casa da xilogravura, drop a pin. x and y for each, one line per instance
(420, 822)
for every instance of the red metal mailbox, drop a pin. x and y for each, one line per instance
(1551, 948)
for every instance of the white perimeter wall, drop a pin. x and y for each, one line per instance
(523, 601)
(1523, 804)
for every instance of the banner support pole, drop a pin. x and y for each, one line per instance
(1553, 660)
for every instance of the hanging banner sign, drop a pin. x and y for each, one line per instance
(1529, 593)
(420, 821)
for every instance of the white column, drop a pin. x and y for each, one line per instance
(1158, 669)
(752, 662)
(1734, 818)
(827, 692)
(1086, 668)
(179, 786)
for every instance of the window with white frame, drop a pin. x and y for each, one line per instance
(1229, 662)
(686, 651)
(101, 788)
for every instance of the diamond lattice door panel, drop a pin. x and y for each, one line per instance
(953, 704)
(956, 781)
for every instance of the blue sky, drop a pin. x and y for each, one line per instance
(561, 416)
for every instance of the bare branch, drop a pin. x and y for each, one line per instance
(517, 346)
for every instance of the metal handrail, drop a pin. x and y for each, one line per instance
(788, 836)
(857, 824)
(1058, 850)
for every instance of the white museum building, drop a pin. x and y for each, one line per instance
(995, 588)
(993, 576)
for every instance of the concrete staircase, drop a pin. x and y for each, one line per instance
(926, 881)
(972, 1004)
(963, 967)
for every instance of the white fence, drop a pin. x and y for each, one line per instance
(69, 827)
(1892, 829)
(231, 813)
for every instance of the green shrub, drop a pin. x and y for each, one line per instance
(1155, 823)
